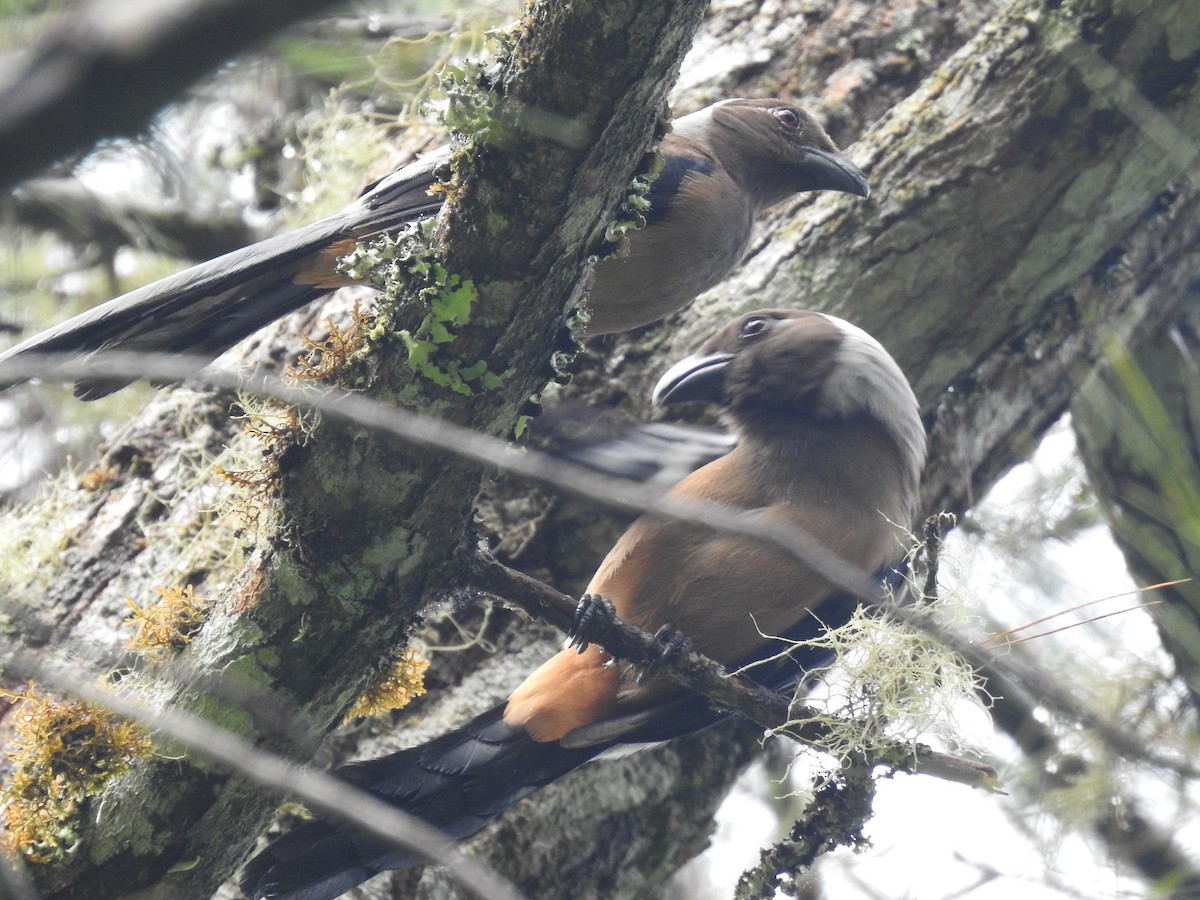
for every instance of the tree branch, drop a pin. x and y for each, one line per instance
(106, 67)
(772, 711)
(82, 216)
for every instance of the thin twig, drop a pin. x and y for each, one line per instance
(696, 672)
(319, 790)
(605, 491)
(1001, 636)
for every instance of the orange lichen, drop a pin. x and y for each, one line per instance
(97, 477)
(324, 358)
(397, 687)
(62, 752)
(278, 429)
(169, 624)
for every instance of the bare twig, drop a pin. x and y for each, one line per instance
(600, 489)
(320, 791)
(840, 808)
(696, 672)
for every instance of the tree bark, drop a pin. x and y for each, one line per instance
(355, 531)
(1001, 185)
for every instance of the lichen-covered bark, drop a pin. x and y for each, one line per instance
(1000, 186)
(359, 530)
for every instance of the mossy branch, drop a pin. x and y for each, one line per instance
(696, 672)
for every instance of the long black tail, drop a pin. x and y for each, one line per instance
(457, 783)
(460, 781)
(205, 310)
(201, 311)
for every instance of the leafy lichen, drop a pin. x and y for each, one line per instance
(449, 301)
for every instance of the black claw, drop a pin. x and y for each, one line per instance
(589, 614)
(674, 644)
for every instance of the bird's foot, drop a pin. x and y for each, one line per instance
(593, 614)
(674, 644)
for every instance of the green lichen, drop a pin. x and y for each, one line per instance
(471, 101)
(449, 302)
(893, 682)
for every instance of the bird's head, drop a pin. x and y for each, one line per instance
(776, 149)
(775, 369)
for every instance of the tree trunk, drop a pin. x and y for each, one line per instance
(1136, 420)
(1002, 185)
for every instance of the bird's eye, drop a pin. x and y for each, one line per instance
(753, 326)
(787, 117)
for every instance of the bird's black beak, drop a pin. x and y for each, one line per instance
(697, 378)
(829, 170)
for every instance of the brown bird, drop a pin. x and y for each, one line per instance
(829, 440)
(722, 166)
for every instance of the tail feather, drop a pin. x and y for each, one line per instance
(462, 780)
(299, 865)
(205, 310)
(456, 783)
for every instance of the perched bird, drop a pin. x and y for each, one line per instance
(829, 439)
(722, 165)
